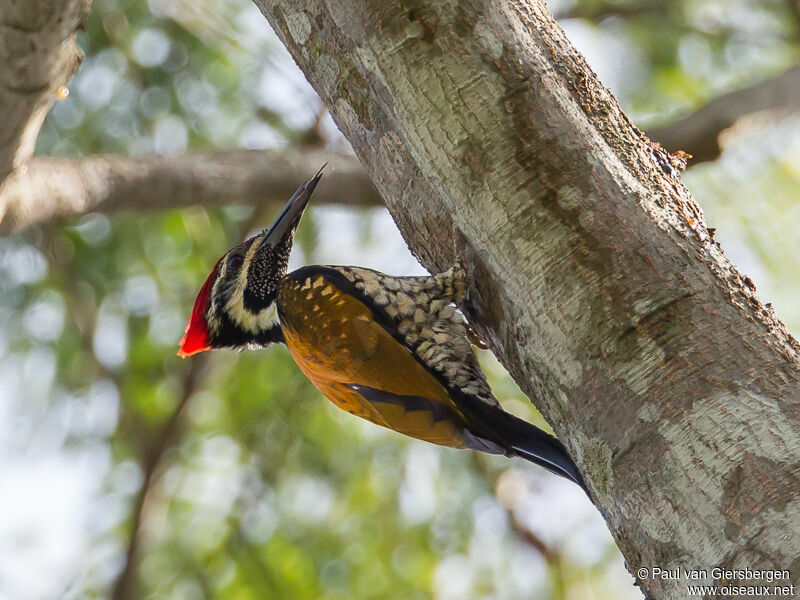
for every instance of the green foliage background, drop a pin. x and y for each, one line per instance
(261, 488)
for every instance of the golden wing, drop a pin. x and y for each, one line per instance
(359, 365)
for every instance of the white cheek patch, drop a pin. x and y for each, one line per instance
(261, 321)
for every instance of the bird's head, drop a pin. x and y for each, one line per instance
(236, 306)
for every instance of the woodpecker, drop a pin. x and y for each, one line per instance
(392, 350)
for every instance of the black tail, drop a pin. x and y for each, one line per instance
(520, 438)
(531, 443)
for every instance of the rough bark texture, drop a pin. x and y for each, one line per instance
(38, 55)
(47, 188)
(598, 284)
(699, 132)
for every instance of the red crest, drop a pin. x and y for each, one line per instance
(197, 337)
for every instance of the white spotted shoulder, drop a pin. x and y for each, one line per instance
(423, 312)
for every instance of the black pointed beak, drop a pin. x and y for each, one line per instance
(289, 217)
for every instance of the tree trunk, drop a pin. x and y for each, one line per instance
(38, 55)
(599, 286)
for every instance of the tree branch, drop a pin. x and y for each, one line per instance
(597, 12)
(699, 133)
(48, 188)
(38, 55)
(550, 556)
(125, 586)
(598, 284)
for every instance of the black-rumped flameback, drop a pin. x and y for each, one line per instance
(392, 350)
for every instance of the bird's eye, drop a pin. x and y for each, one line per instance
(235, 262)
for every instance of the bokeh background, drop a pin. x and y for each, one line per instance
(126, 472)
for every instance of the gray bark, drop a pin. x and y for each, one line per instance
(599, 286)
(38, 55)
(47, 188)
